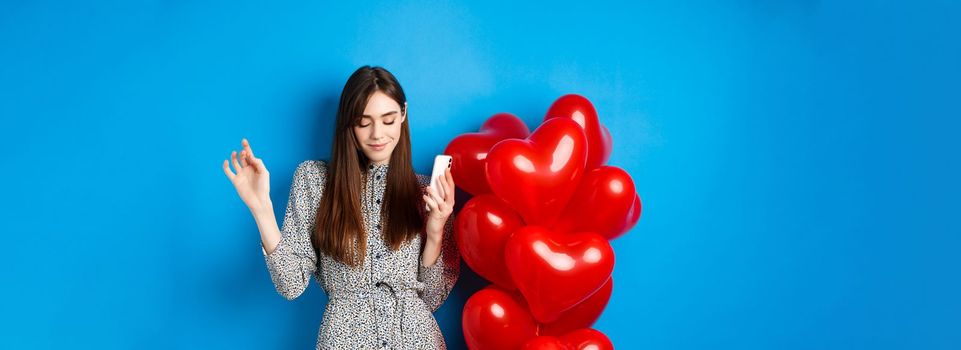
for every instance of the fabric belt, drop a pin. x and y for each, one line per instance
(404, 293)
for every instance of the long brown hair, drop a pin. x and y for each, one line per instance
(340, 229)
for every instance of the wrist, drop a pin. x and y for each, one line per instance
(434, 236)
(263, 212)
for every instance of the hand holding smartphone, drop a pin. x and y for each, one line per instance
(441, 163)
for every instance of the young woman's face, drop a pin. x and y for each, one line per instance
(379, 127)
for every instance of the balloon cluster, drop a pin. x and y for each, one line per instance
(538, 226)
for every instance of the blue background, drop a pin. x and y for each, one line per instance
(797, 160)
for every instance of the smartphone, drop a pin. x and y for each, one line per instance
(441, 163)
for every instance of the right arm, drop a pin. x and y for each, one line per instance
(287, 251)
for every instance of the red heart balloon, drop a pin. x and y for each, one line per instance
(496, 319)
(635, 213)
(469, 151)
(546, 343)
(602, 203)
(580, 109)
(583, 315)
(556, 271)
(538, 175)
(581, 339)
(482, 228)
(587, 339)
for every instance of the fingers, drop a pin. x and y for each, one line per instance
(439, 202)
(431, 204)
(233, 157)
(449, 182)
(247, 159)
(259, 165)
(250, 159)
(246, 145)
(247, 155)
(230, 174)
(445, 188)
(442, 189)
(244, 159)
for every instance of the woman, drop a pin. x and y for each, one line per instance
(359, 225)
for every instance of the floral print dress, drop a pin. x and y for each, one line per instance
(385, 303)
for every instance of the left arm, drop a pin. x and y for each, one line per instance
(432, 249)
(440, 259)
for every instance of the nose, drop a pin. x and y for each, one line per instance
(376, 132)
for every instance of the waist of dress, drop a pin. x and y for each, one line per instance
(399, 289)
(404, 294)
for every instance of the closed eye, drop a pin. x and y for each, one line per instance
(388, 114)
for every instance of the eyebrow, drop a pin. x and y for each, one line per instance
(382, 115)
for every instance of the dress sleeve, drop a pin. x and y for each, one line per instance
(440, 277)
(293, 262)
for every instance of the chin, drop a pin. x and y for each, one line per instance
(374, 156)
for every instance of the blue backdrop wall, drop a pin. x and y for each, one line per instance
(797, 159)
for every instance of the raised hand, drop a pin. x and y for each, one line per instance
(252, 179)
(439, 205)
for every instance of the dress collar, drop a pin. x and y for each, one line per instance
(378, 169)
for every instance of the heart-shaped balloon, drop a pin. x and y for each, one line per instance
(580, 109)
(482, 228)
(602, 203)
(556, 271)
(538, 175)
(587, 339)
(582, 315)
(495, 319)
(581, 339)
(469, 151)
(546, 343)
(635, 214)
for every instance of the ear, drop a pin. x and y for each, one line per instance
(403, 113)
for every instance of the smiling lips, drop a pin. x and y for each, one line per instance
(378, 147)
